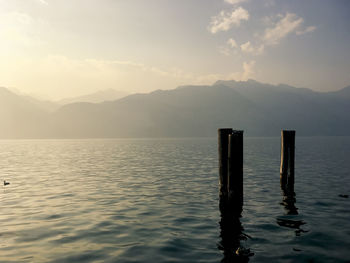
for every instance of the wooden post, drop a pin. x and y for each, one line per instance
(287, 157)
(223, 158)
(231, 195)
(235, 169)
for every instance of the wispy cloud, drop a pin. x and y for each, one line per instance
(283, 27)
(20, 29)
(15, 19)
(247, 47)
(171, 73)
(182, 77)
(43, 2)
(306, 30)
(227, 19)
(235, 2)
(276, 28)
(224, 50)
(230, 47)
(232, 43)
(248, 70)
(61, 76)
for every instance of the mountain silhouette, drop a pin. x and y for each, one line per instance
(20, 116)
(96, 97)
(195, 111)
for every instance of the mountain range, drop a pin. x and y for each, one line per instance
(187, 111)
(96, 97)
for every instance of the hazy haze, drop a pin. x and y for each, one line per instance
(58, 49)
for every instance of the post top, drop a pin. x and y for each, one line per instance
(224, 131)
(287, 131)
(230, 130)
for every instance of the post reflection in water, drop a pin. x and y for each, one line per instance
(288, 201)
(231, 233)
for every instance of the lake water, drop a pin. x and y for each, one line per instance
(156, 200)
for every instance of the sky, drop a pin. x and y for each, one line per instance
(55, 49)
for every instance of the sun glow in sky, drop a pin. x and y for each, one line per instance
(63, 48)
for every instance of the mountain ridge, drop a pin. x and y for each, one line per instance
(196, 111)
(96, 97)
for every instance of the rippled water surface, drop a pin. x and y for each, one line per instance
(156, 200)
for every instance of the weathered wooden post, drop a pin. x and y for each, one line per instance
(287, 158)
(235, 169)
(231, 196)
(223, 159)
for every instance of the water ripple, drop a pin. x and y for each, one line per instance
(156, 200)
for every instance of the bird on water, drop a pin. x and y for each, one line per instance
(6, 183)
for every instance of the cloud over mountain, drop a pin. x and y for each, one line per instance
(227, 19)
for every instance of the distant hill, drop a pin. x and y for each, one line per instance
(258, 109)
(310, 113)
(187, 111)
(343, 93)
(44, 105)
(96, 97)
(21, 117)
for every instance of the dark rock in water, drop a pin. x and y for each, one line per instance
(344, 196)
